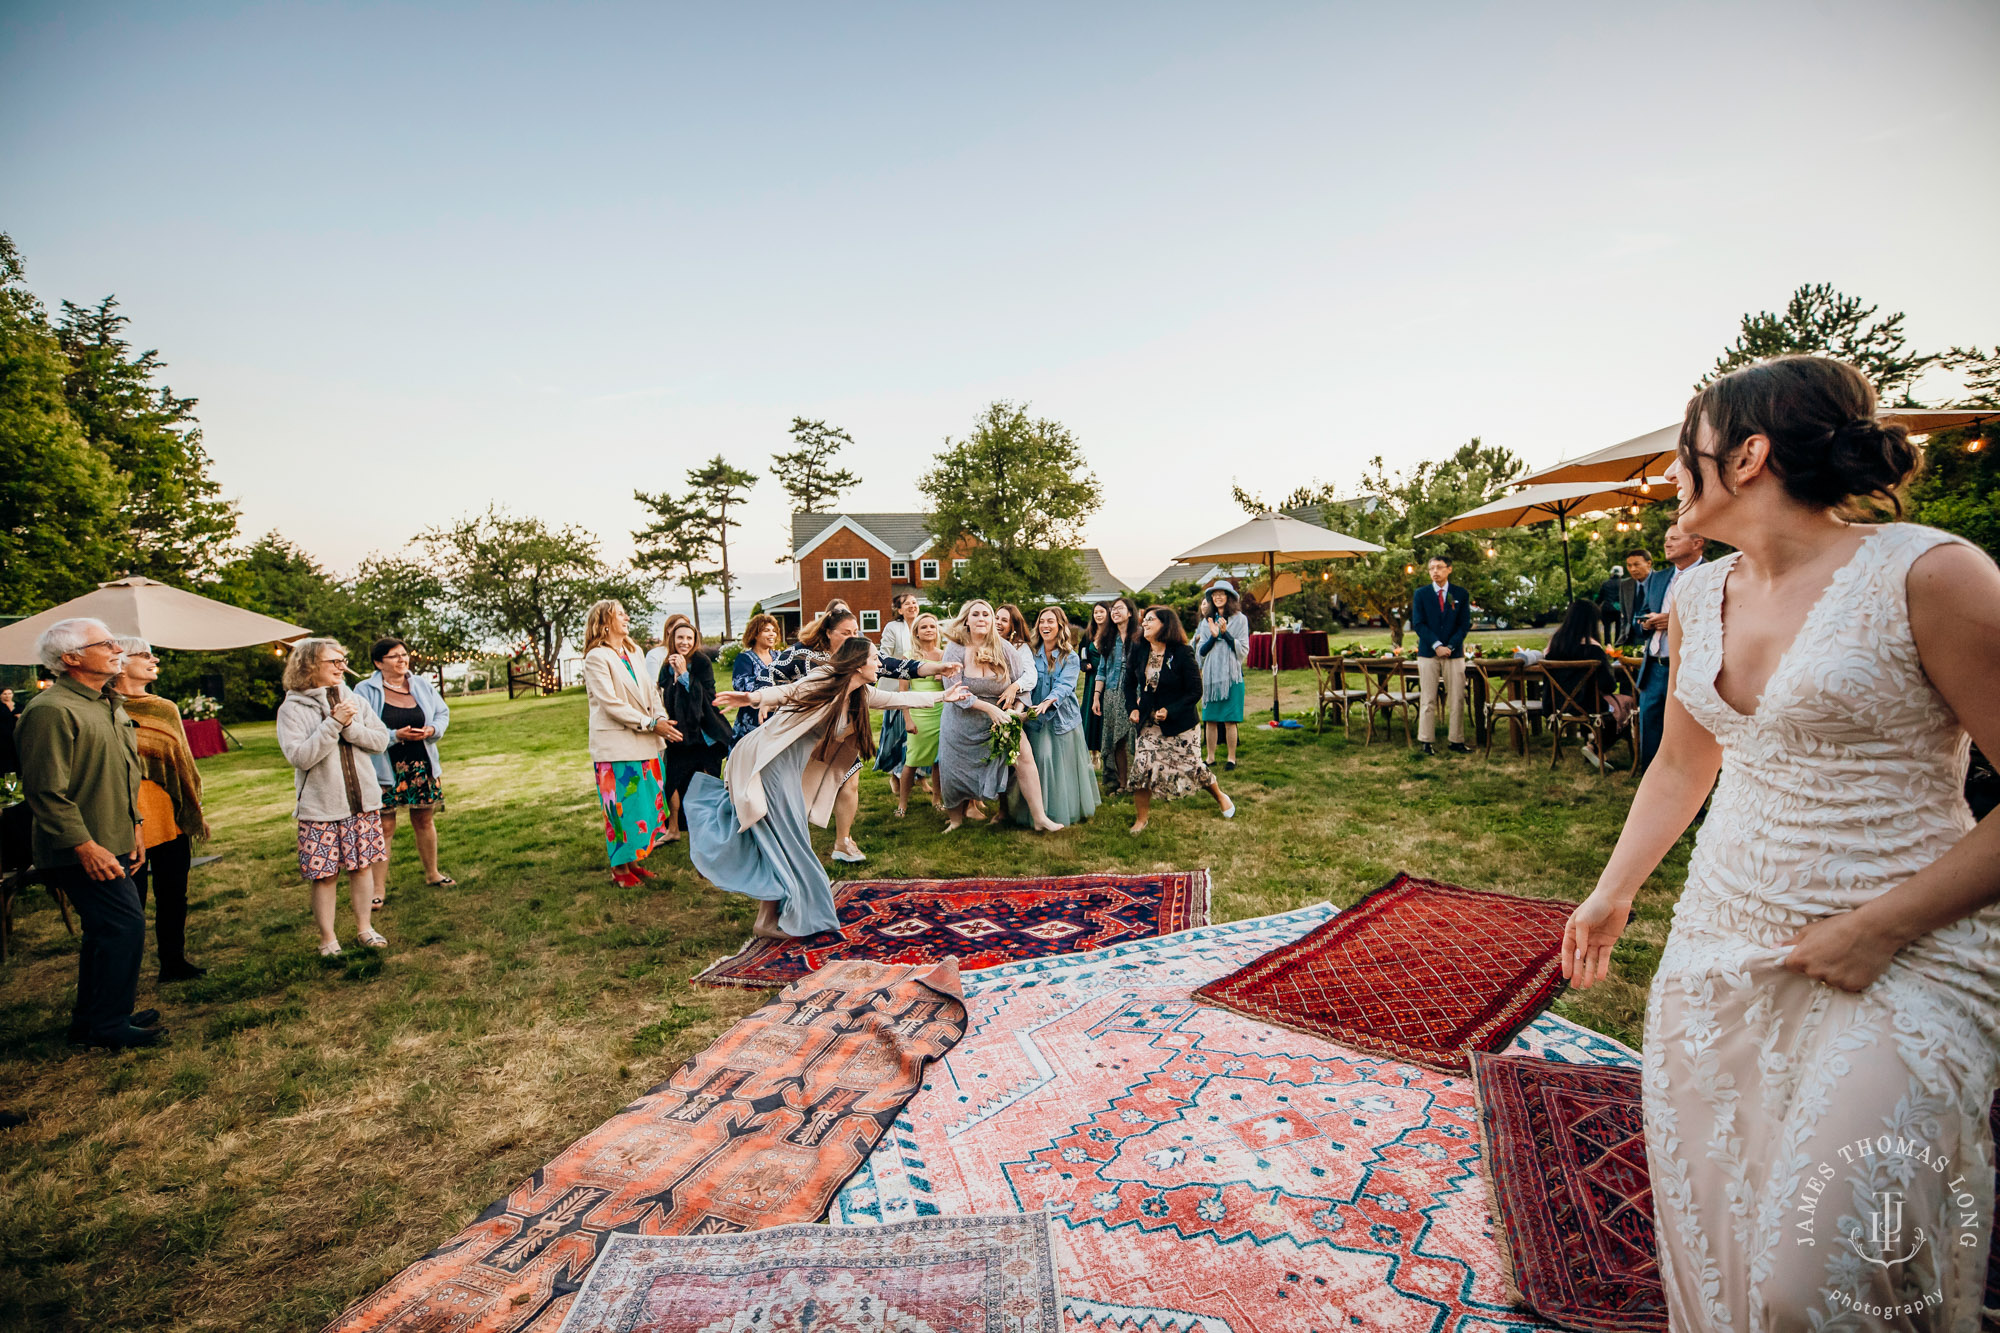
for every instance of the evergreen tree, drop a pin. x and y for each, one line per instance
(1022, 489)
(1819, 321)
(675, 544)
(59, 498)
(808, 474)
(176, 525)
(717, 485)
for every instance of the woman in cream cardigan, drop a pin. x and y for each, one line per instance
(629, 727)
(751, 836)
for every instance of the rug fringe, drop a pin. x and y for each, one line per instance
(1487, 1163)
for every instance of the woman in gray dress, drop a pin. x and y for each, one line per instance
(1117, 641)
(993, 672)
(753, 836)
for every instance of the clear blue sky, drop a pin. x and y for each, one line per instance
(416, 258)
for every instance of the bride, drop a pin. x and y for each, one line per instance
(1824, 1025)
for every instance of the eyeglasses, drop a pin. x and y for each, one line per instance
(333, 661)
(100, 643)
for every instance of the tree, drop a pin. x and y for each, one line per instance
(677, 541)
(1022, 490)
(517, 580)
(717, 485)
(176, 524)
(1820, 321)
(59, 497)
(1981, 369)
(808, 474)
(1959, 488)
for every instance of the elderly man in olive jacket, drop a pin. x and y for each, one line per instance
(80, 768)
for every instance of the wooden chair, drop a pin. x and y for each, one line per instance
(1331, 675)
(1390, 692)
(1510, 699)
(1575, 700)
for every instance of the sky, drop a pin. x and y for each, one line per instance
(419, 259)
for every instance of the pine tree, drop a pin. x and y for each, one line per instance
(718, 485)
(1819, 321)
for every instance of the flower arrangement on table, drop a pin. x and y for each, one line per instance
(1003, 742)
(200, 706)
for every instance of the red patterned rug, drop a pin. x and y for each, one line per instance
(1566, 1158)
(981, 922)
(759, 1129)
(935, 1273)
(1417, 971)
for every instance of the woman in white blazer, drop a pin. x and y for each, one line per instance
(629, 727)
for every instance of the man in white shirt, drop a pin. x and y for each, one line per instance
(1683, 550)
(898, 640)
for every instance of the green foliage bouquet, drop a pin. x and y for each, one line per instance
(1004, 741)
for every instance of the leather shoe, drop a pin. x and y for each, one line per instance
(120, 1039)
(1428, 748)
(182, 972)
(1460, 747)
(145, 1018)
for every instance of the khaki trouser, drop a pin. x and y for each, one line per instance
(1453, 670)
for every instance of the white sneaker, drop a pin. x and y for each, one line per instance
(1590, 755)
(851, 858)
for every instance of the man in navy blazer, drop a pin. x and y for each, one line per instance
(1441, 617)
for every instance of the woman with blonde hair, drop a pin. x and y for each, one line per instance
(920, 750)
(993, 672)
(328, 737)
(169, 804)
(628, 728)
(1054, 724)
(752, 835)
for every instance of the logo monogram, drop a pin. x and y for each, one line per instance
(1885, 1232)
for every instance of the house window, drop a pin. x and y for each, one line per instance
(871, 621)
(845, 571)
(899, 569)
(930, 569)
(957, 565)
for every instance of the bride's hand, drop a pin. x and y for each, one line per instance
(1588, 936)
(1841, 951)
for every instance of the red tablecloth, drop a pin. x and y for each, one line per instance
(1293, 650)
(204, 736)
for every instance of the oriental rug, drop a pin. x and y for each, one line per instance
(981, 922)
(940, 1274)
(1565, 1152)
(1207, 1171)
(1418, 971)
(757, 1130)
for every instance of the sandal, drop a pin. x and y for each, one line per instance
(331, 950)
(373, 938)
(441, 882)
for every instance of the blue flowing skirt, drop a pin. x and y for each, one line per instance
(772, 860)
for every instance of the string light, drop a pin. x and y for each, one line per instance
(1409, 569)
(1976, 445)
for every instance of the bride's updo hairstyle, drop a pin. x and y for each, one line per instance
(1827, 448)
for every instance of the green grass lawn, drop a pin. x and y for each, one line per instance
(317, 1124)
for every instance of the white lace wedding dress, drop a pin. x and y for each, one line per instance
(1760, 1082)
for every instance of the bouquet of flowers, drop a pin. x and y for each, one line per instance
(200, 706)
(1004, 741)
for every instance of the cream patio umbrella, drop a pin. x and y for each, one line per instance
(1647, 455)
(1266, 540)
(1538, 504)
(164, 616)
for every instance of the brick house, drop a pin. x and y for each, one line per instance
(866, 559)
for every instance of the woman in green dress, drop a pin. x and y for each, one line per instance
(920, 750)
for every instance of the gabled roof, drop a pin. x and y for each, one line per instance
(897, 535)
(1103, 583)
(783, 601)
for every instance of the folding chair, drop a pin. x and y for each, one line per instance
(1576, 700)
(1389, 692)
(1331, 675)
(1509, 699)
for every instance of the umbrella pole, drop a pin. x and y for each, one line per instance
(1271, 563)
(1569, 587)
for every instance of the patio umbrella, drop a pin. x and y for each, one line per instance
(1267, 539)
(1539, 504)
(164, 616)
(1647, 455)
